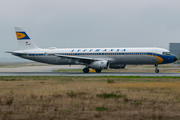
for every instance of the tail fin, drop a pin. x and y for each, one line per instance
(24, 40)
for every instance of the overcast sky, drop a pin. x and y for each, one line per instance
(90, 23)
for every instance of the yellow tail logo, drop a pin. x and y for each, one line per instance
(22, 35)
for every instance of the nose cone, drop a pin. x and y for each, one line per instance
(175, 58)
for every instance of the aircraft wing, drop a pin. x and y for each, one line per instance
(78, 58)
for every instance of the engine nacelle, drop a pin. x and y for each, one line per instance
(117, 66)
(99, 64)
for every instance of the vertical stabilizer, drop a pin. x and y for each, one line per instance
(24, 40)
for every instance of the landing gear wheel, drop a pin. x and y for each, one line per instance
(157, 71)
(86, 70)
(98, 70)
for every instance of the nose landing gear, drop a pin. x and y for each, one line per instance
(156, 69)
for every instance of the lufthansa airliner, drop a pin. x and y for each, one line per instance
(95, 58)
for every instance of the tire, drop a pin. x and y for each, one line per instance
(86, 70)
(157, 71)
(98, 70)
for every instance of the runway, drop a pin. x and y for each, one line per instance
(47, 71)
(87, 74)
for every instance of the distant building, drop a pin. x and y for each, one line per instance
(174, 48)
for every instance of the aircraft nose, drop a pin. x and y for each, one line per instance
(175, 58)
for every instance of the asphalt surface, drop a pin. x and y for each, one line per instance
(85, 74)
(47, 68)
(47, 71)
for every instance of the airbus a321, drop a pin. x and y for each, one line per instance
(95, 58)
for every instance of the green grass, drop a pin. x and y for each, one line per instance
(85, 78)
(101, 108)
(110, 81)
(110, 95)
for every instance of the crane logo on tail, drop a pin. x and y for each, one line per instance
(22, 35)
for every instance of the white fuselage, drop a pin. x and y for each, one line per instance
(115, 56)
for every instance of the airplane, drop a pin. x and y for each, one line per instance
(94, 58)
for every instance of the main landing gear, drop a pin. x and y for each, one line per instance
(157, 70)
(86, 70)
(98, 70)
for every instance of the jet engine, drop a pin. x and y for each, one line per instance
(117, 66)
(99, 64)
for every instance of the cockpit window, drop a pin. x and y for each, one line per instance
(167, 53)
